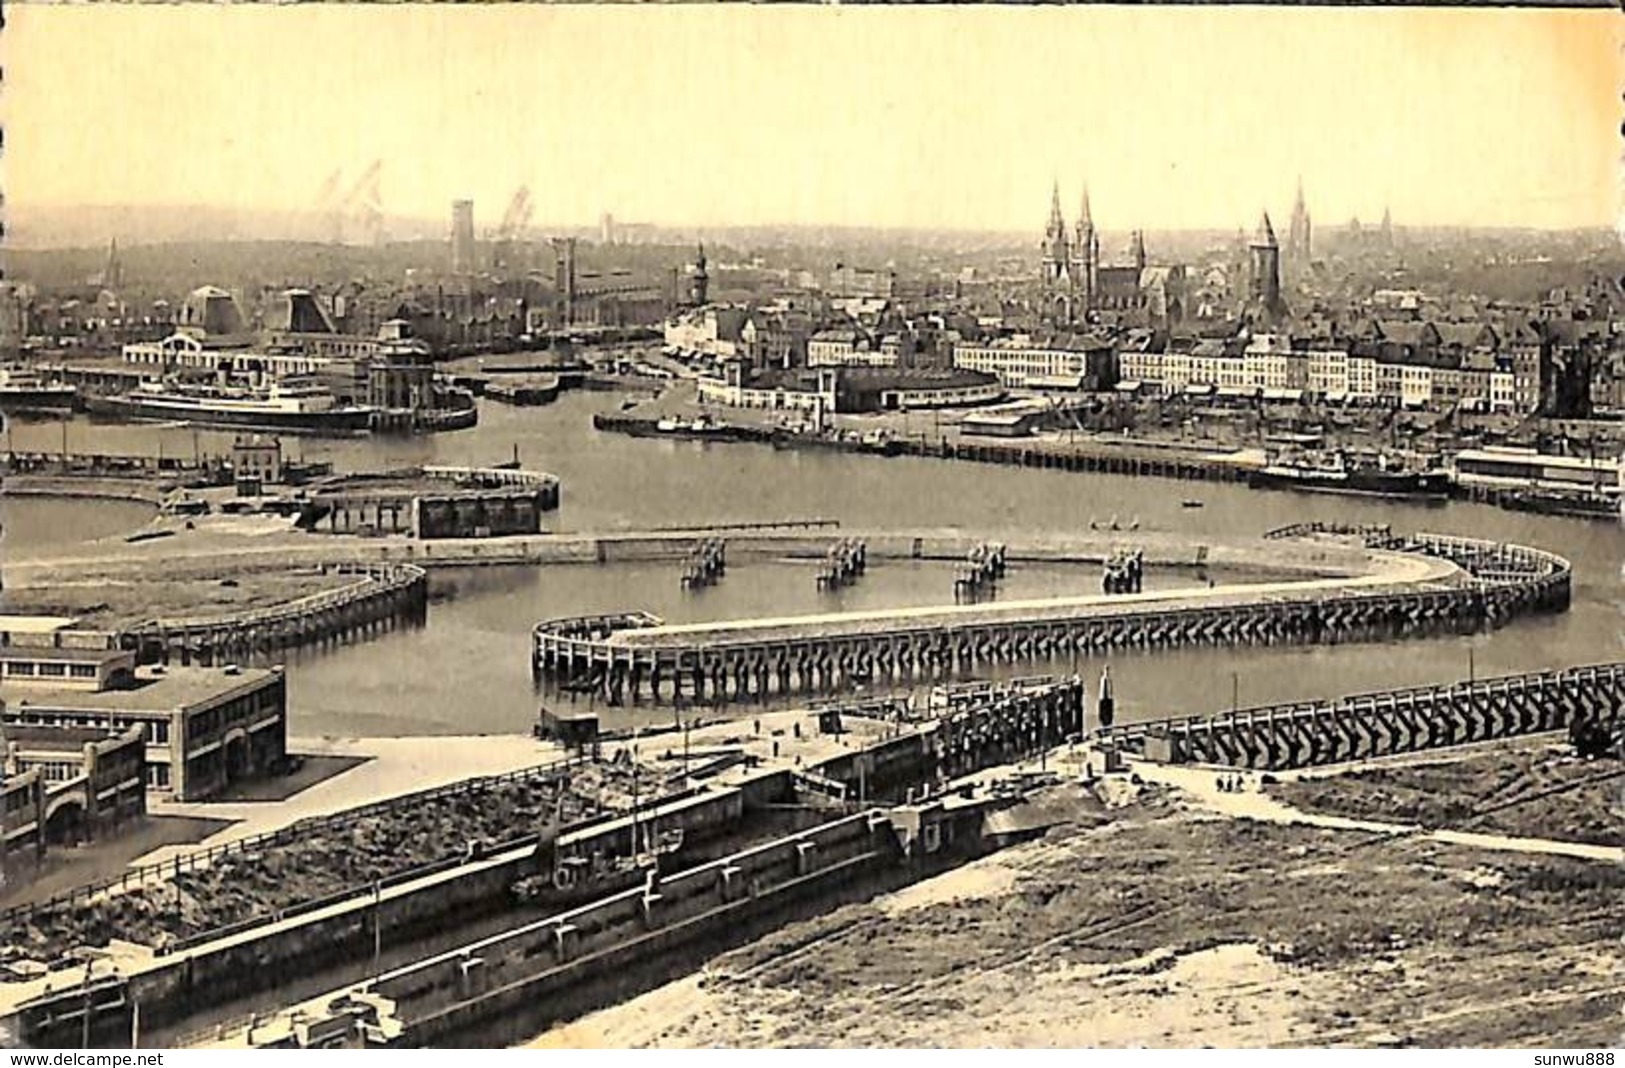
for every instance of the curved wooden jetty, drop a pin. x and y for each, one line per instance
(1421, 584)
(381, 596)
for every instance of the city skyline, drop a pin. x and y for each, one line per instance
(959, 119)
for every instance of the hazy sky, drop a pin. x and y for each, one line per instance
(695, 116)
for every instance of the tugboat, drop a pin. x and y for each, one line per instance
(1338, 474)
(562, 877)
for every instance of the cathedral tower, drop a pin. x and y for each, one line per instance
(1264, 290)
(699, 283)
(1055, 250)
(1298, 244)
(1087, 250)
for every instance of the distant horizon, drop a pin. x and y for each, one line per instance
(25, 237)
(952, 119)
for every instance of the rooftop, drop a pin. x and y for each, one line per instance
(64, 739)
(34, 624)
(156, 689)
(61, 654)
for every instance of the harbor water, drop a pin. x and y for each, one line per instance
(468, 670)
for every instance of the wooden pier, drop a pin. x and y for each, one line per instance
(382, 596)
(843, 564)
(1429, 585)
(1392, 722)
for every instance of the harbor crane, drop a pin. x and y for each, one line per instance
(507, 236)
(361, 205)
(326, 204)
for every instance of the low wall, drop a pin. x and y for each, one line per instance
(96, 489)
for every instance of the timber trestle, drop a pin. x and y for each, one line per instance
(750, 660)
(1306, 734)
(381, 597)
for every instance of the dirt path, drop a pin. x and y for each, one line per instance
(1201, 786)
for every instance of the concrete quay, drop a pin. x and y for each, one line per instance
(233, 542)
(1422, 584)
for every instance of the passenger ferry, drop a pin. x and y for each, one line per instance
(25, 390)
(288, 406)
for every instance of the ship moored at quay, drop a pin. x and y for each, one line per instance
(1341, 476)
(23, 390)
(286, 406)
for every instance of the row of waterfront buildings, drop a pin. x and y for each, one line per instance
(1556, 367)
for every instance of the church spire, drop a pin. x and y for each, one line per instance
(1085, 219)
(1056, 253)
(1264, 236)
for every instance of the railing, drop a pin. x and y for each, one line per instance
(590, 627)
(1134, 734)
(506, 476)
(298, 829)
(378, 580)
(815, 523)
(23, 462)
(1357, 530)
(357, 890)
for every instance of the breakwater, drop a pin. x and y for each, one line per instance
(1470, 585)
(382, 596)
(970, 728)
(508, 986)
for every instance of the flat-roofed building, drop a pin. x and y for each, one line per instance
(203, 728)
(1024, 361)
(57, 667)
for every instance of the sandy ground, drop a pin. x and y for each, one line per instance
(1183, 916)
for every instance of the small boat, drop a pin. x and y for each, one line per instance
(1190, 504)
(668, 426)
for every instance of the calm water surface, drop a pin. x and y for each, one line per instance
(468, 670)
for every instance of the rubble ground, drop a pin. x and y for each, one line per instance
(1538, 790)
(324, 861)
